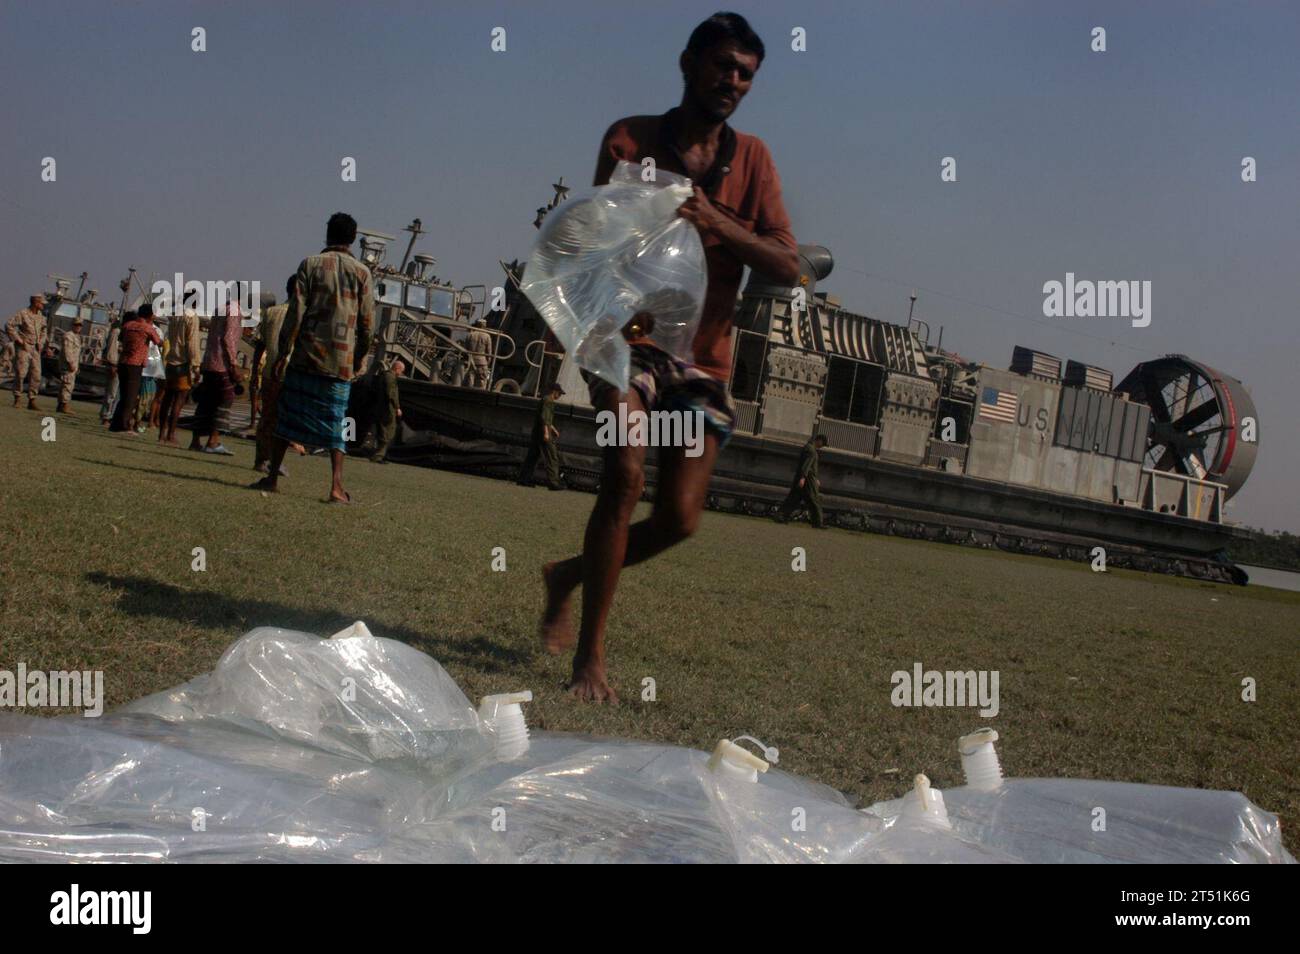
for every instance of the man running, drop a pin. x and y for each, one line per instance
(738, 210)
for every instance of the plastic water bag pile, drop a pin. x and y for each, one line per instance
(603, 259)
(357, 748)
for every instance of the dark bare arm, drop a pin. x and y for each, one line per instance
(766, 255)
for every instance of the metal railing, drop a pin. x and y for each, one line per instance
(429, 344)
(535, 354)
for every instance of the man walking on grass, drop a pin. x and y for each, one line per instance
(325, 337)
(738, 210)
(806, 487)
(545, 443)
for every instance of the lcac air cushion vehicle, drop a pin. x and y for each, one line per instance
(1036, 458)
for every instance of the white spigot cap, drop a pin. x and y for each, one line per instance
(924, 803)
(488, 705)
(504, 715)
(731, 759)
(979, 759)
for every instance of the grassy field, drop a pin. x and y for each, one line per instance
(1119, 675)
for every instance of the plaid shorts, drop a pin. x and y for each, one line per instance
(665, 383)
(178, 377)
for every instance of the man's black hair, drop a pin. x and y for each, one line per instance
(822, 438)
(725, 26)
(341, 230)
(290, 286)
(145, 311)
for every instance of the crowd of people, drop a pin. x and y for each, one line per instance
(307, 353)
(325, 334)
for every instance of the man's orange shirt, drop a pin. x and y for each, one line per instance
(743, 183)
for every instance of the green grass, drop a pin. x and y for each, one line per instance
(1119, 676)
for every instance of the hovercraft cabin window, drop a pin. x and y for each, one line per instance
(747, 368)
(441, 303)
(853, 391)
(417, 297)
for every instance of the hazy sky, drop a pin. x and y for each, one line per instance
(1117, 165)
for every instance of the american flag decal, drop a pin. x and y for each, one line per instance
(996, 405)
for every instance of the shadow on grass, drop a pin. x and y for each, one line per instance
(180, 453)
(215, 611)
(160, 472)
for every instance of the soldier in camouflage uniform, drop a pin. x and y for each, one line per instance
(27, 329)
(69, 365)
(479, 346)
(806, 488)
(387, 410)
(545, 443)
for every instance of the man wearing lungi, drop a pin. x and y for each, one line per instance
(324, 338)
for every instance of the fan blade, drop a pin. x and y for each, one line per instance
(1197, 416)
(1159, 409)
(1190, 393)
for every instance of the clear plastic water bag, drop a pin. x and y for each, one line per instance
(606, 258)
(359, 748)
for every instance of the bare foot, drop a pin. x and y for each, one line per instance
(588, 684)
(557, 618)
